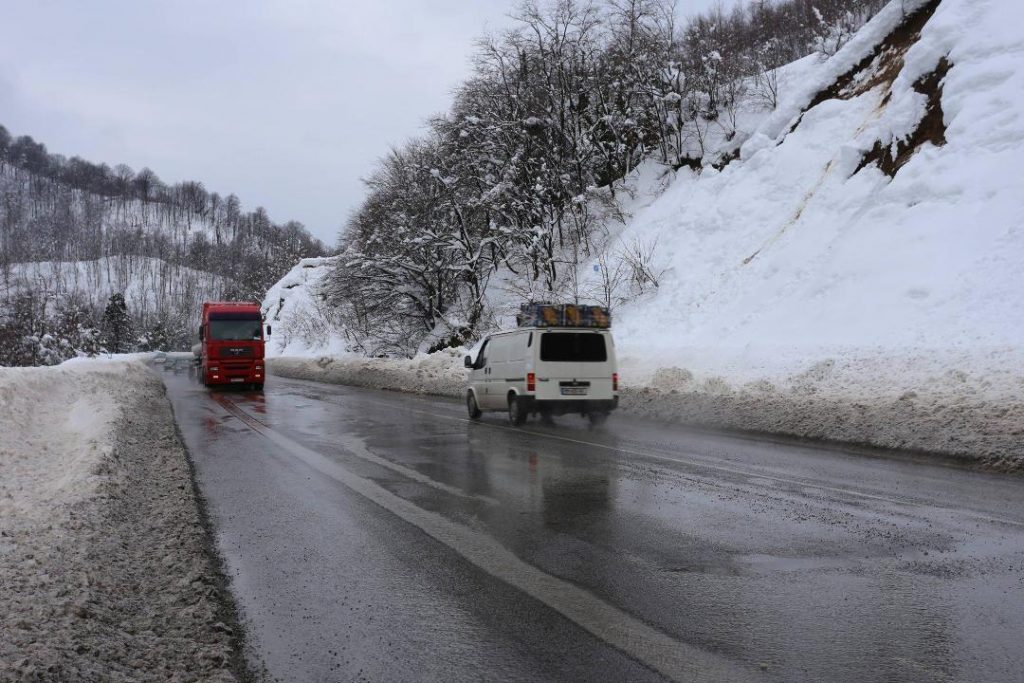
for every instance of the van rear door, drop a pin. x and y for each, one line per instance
(577, 365)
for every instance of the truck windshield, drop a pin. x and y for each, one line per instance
(573, 347)
(236, 330)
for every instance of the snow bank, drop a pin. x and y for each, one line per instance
(965, 405)
(103, 559)
(440, 374)
(57, 436)
(953, 404)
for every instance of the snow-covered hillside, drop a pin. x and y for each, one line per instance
(859, 257)
(799, 252)
(74, 233)
(152, 285)
(301, 322)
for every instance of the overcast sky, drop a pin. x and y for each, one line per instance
(286, 103)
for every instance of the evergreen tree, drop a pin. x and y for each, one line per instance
(24, 327)
(117, 325)
(75, 329)
(156, 339)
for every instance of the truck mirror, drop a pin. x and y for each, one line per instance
(268, 330)
(468, 361)
(200, 332)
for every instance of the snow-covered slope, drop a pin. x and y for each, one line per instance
(149, 283)
(794, 253)
(155, 290)
(302, 324)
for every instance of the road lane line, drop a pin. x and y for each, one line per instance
(657, 456)
(721, 468)
(638, 640)
(357, 447)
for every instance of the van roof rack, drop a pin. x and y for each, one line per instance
(563, 315)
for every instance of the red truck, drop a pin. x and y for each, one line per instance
(230, 348)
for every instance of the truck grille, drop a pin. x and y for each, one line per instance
(236, 352)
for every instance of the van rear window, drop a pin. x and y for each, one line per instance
(573, 347)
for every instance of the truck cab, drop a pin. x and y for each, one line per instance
(231, 344)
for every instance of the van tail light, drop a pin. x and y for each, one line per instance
(531, 381)
(615, 381)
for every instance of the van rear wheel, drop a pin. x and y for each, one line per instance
(516, 414)
(472, 407)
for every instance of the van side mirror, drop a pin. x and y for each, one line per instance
(468, 361)
(268, 330)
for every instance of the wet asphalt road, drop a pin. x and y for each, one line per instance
(377, 536)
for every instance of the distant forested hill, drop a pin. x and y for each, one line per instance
(73, 234)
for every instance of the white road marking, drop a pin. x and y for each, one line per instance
(655, 455)
(357, 447)
(644, 643)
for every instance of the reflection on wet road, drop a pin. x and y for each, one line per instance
(378, 536)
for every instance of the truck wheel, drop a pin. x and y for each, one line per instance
(472, 407)
(258, 386)
(516, 415)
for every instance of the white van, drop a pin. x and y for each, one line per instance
(544, 370)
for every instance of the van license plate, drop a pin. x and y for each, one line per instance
(238, 379)
(574, 391)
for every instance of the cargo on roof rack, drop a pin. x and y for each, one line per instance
(563, 315)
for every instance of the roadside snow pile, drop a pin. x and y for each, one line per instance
(302, 324)
(55, 445)
(440, 374)
(103, 559)
(960, 404)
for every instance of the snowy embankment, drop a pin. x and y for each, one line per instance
(853, 275)
(437, 374)
(918, 402)
(104, 562)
